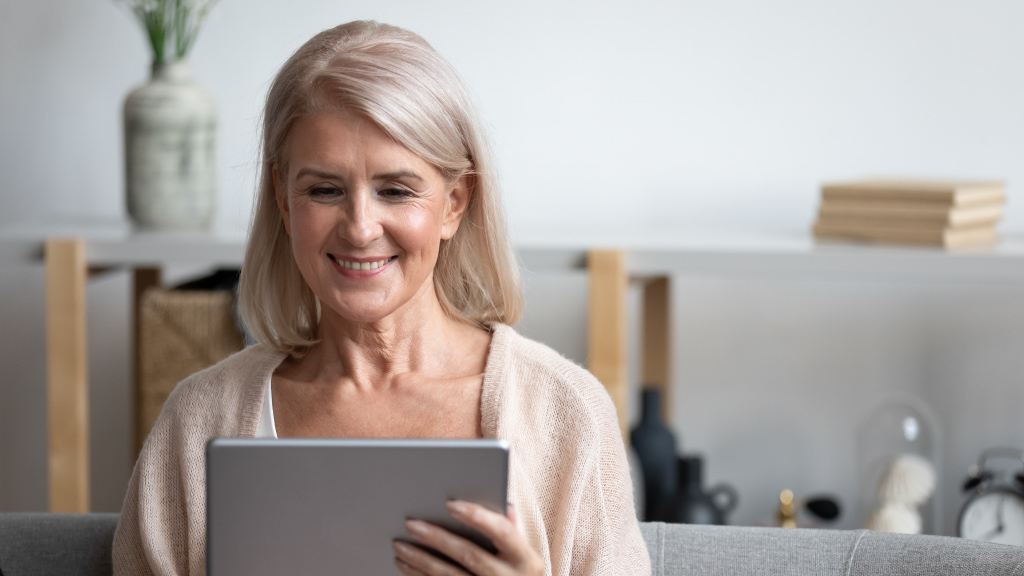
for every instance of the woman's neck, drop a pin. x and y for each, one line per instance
(418, 339)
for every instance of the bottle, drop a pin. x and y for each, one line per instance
(655, 446)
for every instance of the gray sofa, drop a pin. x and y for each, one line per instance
(56, 544)
(79, 545)
(728, 550)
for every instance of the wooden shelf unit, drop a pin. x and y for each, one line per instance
(652, 260)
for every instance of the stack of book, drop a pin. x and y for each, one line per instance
(930, 213)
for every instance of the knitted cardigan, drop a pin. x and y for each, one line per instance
(568, 476)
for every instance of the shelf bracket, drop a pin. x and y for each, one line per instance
(67, 388)
(607, 331)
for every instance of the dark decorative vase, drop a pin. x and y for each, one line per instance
(655, 446)
(691, 505)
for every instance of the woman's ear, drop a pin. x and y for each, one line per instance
(281, 195)
(457, 203)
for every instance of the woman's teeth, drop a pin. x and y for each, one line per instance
(362, 265)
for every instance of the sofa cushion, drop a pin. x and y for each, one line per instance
(678, 549)
(34, 544)
(881, 553)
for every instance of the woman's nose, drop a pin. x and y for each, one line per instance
(361, 226)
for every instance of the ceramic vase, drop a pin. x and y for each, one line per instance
(170, 136)
(655, 446)
(691, 504)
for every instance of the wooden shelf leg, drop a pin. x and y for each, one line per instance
(67, 376)
(143, 278)
(607, 337)
(657, 342)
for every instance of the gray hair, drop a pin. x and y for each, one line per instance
(397, 80)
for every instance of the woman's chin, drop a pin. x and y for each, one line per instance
(352, 312)
(362, 317)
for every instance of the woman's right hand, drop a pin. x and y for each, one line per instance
(515, 555)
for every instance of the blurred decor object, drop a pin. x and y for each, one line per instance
(787, 509)
(170, 125)
(181, 331)
(994, 510)
(906, 485)
(899, 427)
(655, 446)
(897, 518)
(825, 508)
(691, 504)
(948, 214)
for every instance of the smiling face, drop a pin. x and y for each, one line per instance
(366, 216)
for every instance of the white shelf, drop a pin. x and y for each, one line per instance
(788, 254)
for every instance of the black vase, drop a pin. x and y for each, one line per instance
(655, 447)
(691, 504)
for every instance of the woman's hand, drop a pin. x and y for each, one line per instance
(515, 556)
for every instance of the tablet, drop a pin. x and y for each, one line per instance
(328, 506)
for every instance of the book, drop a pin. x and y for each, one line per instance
(944, 193)
(976, 237)
(855, 213)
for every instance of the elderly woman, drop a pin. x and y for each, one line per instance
(380, 284)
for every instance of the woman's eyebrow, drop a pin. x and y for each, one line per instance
(385, 176)
(318, 174)
(398, 175)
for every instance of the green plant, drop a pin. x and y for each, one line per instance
(170, 22)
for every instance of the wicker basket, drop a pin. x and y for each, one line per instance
(180, 332)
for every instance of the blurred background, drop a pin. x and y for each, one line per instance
(611, 121)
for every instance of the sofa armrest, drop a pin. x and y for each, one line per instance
(66, 544)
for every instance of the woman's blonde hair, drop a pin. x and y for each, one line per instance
(397, 80)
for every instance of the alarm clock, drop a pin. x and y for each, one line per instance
(994, 510)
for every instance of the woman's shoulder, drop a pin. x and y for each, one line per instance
(555, 388)
(253, 362)
(232, 382)
(523, 354)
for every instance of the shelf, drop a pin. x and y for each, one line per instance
(112, 248)
(793, 255)
(783, 255)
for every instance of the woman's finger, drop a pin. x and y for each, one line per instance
(408, 569)
(510, 543)
(474, 558)
(419, 561)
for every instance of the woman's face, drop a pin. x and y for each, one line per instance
(366, 216)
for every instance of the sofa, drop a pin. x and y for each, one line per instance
(79, 545)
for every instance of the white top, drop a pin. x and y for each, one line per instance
(266, 428)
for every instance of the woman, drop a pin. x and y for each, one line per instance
(380, 283)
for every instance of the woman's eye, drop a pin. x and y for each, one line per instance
(324, 192)
(395, 193)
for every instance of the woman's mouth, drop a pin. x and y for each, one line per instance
(353, 265)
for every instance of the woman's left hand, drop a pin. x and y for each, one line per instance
(515, 556)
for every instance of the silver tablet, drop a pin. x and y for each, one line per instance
(324, 506)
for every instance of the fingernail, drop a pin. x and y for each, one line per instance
(457, 507)
(415, 526)
(401, 548)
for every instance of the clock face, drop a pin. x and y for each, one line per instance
(996, 516)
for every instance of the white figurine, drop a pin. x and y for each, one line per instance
(908, 483)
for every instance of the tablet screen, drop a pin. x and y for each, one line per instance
(329, 506)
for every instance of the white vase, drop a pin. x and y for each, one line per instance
(170, 128)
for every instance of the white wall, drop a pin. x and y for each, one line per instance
(634, 115)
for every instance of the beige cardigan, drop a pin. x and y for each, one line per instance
(568, 478)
